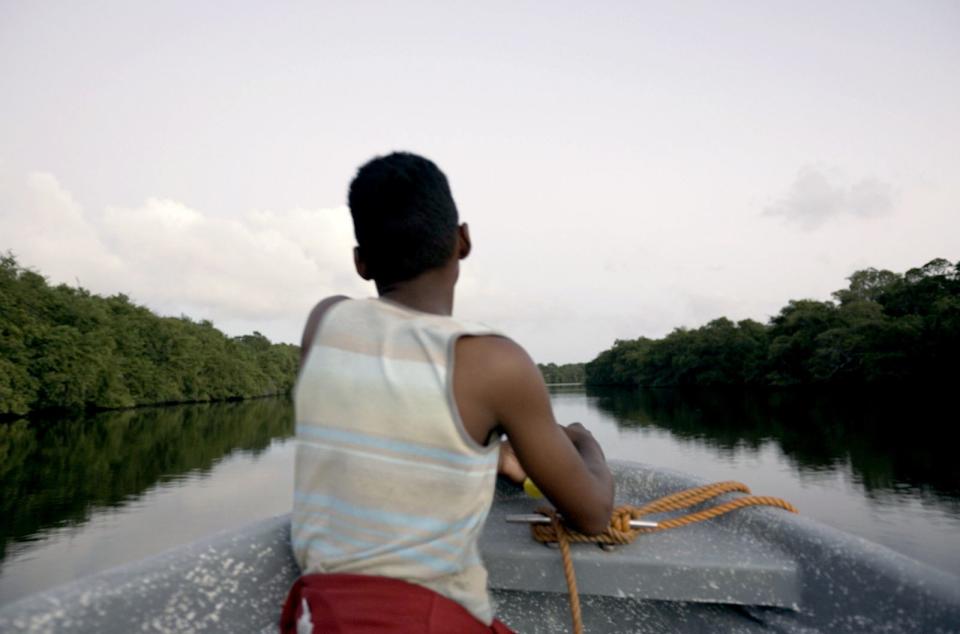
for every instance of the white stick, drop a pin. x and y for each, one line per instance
(536, 518)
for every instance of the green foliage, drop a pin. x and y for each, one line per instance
(565, 373)
(883, 328)
(616, 365)
(63, 347)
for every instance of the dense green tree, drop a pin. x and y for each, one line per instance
(867, 285)
(565, 373)
(793, 339)
(63, 347)
(719, 353)
(883, 328)
(620, 364)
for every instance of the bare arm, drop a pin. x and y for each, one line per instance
(591, 452)
(566, 463)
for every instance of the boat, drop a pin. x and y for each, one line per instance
(753, 570)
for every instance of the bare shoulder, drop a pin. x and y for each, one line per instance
(493, 354)
(497, 367)
(494, 376)
(313, 320)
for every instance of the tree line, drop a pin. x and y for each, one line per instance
(564, 373)
(885, 327)
(64, 347)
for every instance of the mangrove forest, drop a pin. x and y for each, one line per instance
(66, 348)
(884, 328)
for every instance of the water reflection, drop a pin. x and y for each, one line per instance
(56, 473)
(91, 492)
(893, 442)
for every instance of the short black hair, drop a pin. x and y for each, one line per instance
(404, 217)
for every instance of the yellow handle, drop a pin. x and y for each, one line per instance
(531, 489)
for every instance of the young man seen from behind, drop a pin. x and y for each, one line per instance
(400, 409)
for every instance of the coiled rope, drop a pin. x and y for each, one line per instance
(620, 532)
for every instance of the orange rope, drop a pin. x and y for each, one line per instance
(620, 532)
(568, 572)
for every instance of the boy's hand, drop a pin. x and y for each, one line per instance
(576, 432)
(508, 465)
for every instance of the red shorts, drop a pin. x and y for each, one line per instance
(361, 604)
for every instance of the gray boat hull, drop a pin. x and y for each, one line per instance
(786, 574)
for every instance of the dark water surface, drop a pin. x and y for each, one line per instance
(78, 495)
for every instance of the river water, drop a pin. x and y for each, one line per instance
(79, 495)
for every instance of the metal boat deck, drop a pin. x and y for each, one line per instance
(754, 570)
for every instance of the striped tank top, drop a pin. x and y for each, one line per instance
(387, 480)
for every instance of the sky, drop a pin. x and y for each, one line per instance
(625, 168)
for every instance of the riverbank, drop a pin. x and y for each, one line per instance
(63, 348)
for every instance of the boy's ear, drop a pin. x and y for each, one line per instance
(463, 242)
(360, 265)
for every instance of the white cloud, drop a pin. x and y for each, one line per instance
(819, 194)
(565, 295)
(243, 271)
(46, 227)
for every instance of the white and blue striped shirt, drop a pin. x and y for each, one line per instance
(388, 481)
